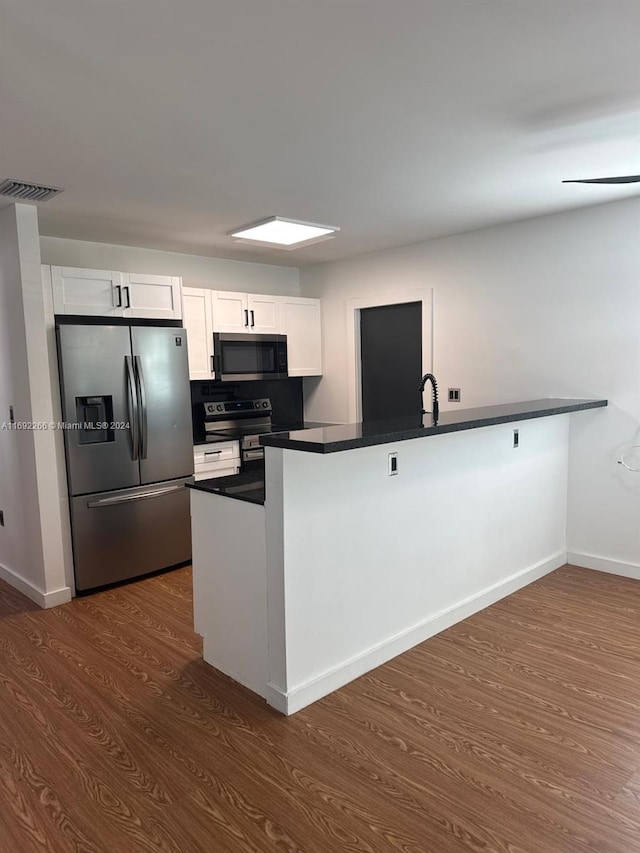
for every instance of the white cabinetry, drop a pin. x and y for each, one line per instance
(91, 292)
(246, 313)
(216, 460)
(230, 312)
(107, 293)
(154, 297)
(302, 324)
(208, 311)
(199, 325)
(264, 314)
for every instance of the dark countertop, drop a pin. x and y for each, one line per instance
(287, 427)
(331, 439)
(248, 487)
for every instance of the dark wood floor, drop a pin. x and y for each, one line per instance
(516, 731)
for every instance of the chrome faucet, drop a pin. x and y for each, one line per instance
(429, 377)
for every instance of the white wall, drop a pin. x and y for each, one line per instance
(540, 308)
(362, 566)
(196, 271)
(31, 550)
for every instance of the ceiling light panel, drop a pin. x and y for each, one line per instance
(286, 233)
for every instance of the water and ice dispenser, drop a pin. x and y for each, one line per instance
(94, 416)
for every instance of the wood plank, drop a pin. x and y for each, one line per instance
(512, 732)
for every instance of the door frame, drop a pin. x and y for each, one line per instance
(376, 300)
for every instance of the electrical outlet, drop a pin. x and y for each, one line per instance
(516, 438)
(454, 395)
(393, 464)
(1, 518)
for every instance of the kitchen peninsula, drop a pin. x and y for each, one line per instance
(342, 564)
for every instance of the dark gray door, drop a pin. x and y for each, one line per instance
(391, 353)
(128, 533)
(95, 366)
(162, 373)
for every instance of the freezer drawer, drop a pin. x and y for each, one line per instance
(131, 532)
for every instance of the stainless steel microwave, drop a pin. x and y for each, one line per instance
(239, 357)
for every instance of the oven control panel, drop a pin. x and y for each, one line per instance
(231, 407)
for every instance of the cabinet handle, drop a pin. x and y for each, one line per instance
(212, 452)
(213, 365)
(246, 317)
(126, 290)
(252, 319)
(119, 302)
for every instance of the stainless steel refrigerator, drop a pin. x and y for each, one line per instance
(129, 448)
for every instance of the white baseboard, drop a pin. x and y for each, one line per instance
(42, 599)
(288, 702)
(602, 564)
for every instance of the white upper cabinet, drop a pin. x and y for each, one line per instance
(303, 327)
(199, 325)
(265, 314)
(230, 311)
(105, 293)
(90, 292)
(208, 311)
(246, 313)
(154, 297)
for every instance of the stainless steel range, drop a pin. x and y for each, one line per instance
(240, 420)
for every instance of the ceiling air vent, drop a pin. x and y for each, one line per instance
(24, 191)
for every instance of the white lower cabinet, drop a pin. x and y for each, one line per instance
(220, 459)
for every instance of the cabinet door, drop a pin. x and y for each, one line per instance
(155, 297)
(230, 311)
(302, 326)
(87, 292)
(199, 326)
(265, 315)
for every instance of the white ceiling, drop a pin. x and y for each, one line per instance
(170, 122)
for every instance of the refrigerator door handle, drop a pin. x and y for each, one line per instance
(155, 493)
(142, 394)
(132, 405)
